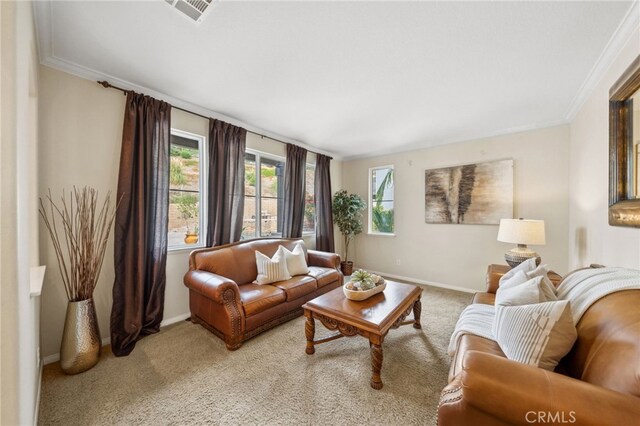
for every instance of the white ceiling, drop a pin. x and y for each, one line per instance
(350, 78)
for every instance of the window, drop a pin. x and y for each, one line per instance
(309, 225)
(264, 195)
(186, 189)
(381, 200)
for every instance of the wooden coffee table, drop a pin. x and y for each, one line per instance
(371, 318)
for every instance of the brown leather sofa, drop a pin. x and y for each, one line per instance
(596, 383)
(224, 300)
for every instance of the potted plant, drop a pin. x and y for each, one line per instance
(188, 207)
(347, 214)
(79, 230)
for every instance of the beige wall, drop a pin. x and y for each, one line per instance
(591, 239)
(82, 127)
(19, 372)
(458, 255)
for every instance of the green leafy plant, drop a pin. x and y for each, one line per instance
(188, 207)
(176, 174)
(382, 220)
(365, 279)
(309, 210)
(347, 214)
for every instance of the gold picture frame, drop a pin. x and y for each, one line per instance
(624, 204)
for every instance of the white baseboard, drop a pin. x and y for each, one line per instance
(174, 320)
(107, 340)
(424, 282)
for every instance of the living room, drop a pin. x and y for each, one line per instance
(409, 87)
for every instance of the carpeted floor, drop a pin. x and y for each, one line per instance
(184, 375)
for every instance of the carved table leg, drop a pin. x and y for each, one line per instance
(417, 310)
(310, 331)
(376, 366)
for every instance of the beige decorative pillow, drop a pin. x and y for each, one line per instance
(535, 290)
(539, 334)
(296, 263)
(271, 270)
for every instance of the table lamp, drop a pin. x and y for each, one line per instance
(521, 232)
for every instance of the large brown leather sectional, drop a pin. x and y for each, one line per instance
(597, 383)
(224, 300)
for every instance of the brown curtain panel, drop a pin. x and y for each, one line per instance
(294, 190)
(226, 182)
(141, 223)
(324, 214)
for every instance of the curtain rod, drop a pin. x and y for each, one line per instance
(108, 85)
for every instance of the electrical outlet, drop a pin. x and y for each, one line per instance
(398, 262)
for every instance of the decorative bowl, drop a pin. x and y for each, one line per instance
(363, 294)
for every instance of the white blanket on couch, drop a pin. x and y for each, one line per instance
(585, 287)
(582, 288)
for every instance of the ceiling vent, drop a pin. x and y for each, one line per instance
(195, 10)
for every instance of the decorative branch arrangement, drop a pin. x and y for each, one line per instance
(81, 242)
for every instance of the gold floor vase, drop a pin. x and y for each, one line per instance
(80, 347)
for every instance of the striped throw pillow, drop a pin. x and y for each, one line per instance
(271, 270)
(539, 334)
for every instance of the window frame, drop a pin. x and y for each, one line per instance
(202, 188)
(259, 155)
(370, 201)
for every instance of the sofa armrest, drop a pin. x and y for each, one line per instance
(211, 285)
(324, 259)
(494, 273)
(514, 393)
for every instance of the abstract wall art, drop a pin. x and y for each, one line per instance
(470, 194)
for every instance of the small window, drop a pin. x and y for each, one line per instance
(381, 194)
(264, 195)
(309, 225)
(186, 189)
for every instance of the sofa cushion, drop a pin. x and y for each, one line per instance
(528, 268)
(259, 297)
(539, 334)
(296, 261)
(271, 270)
(535, 290)
(297, 287)
(324, 276)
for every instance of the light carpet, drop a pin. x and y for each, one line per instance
(184, 375)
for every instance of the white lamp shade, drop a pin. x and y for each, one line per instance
(521, 231)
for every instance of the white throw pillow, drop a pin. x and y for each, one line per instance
(515, 280)
(271, 270)
(535, 290)
(540, 271)
(526, 266)
(539, 334)
(296, 263)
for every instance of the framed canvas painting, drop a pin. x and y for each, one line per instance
(469, 194)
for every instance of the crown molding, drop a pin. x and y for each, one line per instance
(629, 26)
(44, 34)
(478, 137)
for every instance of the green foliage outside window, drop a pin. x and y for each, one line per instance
(176, 174)
(382, 219)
